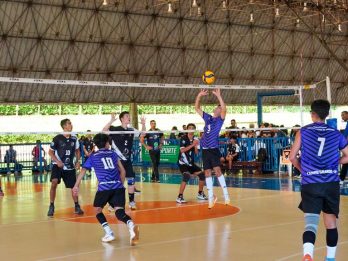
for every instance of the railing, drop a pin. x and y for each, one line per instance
(249, 151)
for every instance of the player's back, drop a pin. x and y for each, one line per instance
(320, 145)
(104, 163)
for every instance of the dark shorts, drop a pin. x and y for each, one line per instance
(127, 164)
(211, 158)
(321, 197)
(115, 197)
(68, 176)
(234, 159)
(190, 169)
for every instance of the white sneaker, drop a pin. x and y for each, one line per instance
(134, 235)
(132, 205)
(202, 196)
(181, 200)
(108, 238)
(212, 202)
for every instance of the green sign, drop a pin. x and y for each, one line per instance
(169, 154)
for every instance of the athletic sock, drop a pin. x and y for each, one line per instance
(209, 183)
(102, 220)
(130, 224)
(308, 248)
(223, 186)
(76, 203)
(330, 253)
(200, 192)
(131, 197)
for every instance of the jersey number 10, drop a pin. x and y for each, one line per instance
(108, 164)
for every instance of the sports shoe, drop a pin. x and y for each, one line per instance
(202, 196)
(108, 238)
(134, 235)
(307, 257)
(78, 210)
(1, 193)
(136, 191)
(132, 205)
(50, 212)
(180, 200)
(212, 202)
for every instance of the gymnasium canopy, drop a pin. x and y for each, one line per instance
(245, 42)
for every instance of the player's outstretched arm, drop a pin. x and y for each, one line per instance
(112, 120)
(217, 93)
(198, 101)
(294, 151)
(78, 181)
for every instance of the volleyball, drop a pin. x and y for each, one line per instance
(208, 77)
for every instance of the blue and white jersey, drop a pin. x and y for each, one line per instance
(104, 163)
(320, 146)
(212, 128)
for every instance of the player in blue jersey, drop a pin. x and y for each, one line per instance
(110, 174)
(320, 191)
(210, 145)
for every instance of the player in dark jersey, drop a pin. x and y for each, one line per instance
(232, 153)
(154, 143)
(63, 150)
(123, 145)
(320, 192)
(210, 145)
(110, 174)
(188, 149)
(88, 146)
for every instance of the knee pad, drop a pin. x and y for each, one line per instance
(186, 177)
(201, 176)
(130, 181)
(311, 222)
(120, 213)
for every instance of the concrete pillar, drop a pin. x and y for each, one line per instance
(134, 114)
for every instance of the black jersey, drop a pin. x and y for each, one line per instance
(188, 157)
(64, 149)
(154, 139)
(88, 144)
(232, 149)
(123, 142)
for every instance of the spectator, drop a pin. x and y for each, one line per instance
(11, 157)
(233, 134)
(266, 133)
(184, 127)
(233, 151)
(344, 168)
(172, 135)
(36, 155)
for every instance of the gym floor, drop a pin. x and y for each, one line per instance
(263, 222)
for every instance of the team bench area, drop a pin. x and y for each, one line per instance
(245, 166)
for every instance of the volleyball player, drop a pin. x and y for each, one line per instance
(210, 145)
(110, 174)
(188, 149)
(63, 150)
(123, 145)
(320, 191)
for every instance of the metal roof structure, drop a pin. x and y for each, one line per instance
(249, 42)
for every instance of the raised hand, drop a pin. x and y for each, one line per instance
(217, 92)
(113, 117)
(203, 92)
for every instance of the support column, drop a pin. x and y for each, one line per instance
(134, 114)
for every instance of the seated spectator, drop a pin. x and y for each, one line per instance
(232, 155)
(10, 157)
(36, 155)
(233, 134)
(266, 133)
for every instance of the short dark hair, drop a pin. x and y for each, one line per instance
(63, 122)
(321, 108)
(100, 140)
(191, 124)
(122, 114)
(153, 121)
(345, 112)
